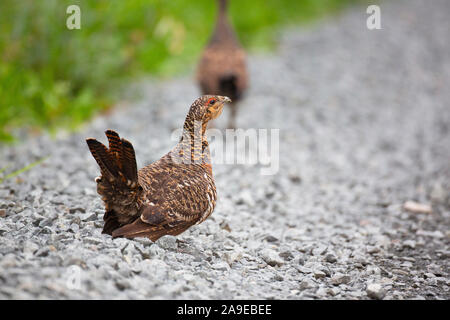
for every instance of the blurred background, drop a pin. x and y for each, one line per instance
(52, 77)
(360, 205)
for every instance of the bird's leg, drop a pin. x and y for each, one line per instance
(232, 121)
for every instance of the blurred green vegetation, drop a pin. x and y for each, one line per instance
(53, 77)
(15, 173)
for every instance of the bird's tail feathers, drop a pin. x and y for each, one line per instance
(118, 162)
(118, 184)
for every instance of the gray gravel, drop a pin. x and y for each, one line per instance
(364, 127)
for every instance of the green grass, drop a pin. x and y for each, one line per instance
(17, 172)
(52, 77)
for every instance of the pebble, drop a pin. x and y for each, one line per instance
(416, 207)
(340, 278)
(286, 255)
(246, 198)
(320, 250)
(375, 291)
(319, 274)
(77, 209)
(433, 234)
(272, 258)
(304, 269)
(409, 244)
(333, 291)
(73, 227)
(331, 258)
(271, 239)
(306, 284)
(90, 216)
(167, 242)
(221, 266)
(233, 256)
(372, 249)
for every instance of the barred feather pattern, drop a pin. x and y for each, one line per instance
(165, 197)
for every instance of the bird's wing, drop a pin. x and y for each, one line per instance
(141, 229)
(186, 196)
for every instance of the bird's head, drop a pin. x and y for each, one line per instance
(207, 108)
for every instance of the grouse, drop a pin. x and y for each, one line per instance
(168, 196)
(222, 68)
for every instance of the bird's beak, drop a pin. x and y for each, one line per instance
(225, 99)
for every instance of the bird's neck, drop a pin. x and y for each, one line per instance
(193, 147)
(223, 32)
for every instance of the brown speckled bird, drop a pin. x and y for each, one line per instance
(222, 68)
(168, 196)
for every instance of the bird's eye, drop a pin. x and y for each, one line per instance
(212, 101)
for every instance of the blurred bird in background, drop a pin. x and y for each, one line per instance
(168, 196)
(222, 68)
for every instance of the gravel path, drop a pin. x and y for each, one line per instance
(364, 124)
